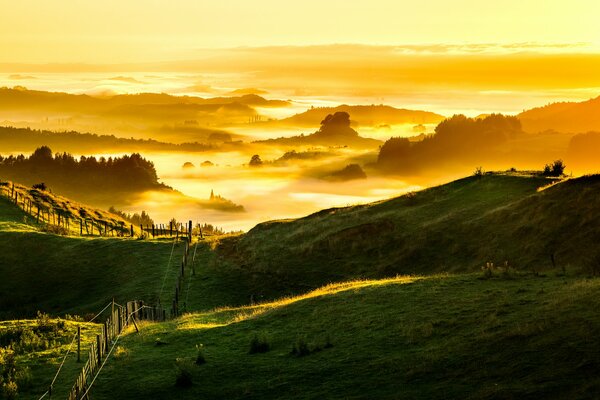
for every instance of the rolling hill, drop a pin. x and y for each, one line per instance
(439, 337)
(364, 115)
(72, 274)
(457, 227)
(569, 117)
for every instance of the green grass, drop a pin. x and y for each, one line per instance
(456, 228)
(527, 334)
(421, 338)
(77, 275)
(42, 364)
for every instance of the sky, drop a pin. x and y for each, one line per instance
(116, 31)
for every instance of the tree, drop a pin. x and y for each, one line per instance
(556, 168)
(255, 161)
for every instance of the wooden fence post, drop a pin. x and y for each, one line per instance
(78, 343)
(98, 344)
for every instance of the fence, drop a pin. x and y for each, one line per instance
(60, 217)
(118, 320)
(180, 278)
(91, 226)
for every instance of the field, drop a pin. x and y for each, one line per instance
(483, 288)
(435, 337)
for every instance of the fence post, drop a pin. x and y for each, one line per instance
(78, 343)
(98, 345)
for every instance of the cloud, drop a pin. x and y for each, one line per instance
(17, 77)
(126, 79)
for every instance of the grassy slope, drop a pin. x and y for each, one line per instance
(423, 338)
(43, 364)
(58, 274)
(456, 227)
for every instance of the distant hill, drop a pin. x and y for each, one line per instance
(572, 117)
(16, 98)
(140, 113)
(367, 115)
(335, 131)
(25, 139)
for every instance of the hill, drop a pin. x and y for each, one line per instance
(570, 117)
(335, 131)
(72, 274)
(456, 227)
(14, 139)
(365, 115)
(407, 337)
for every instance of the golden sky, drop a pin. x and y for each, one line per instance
(117, 31)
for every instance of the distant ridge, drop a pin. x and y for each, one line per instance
(572, 117)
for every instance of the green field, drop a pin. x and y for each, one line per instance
(388, 300)
(438, 337)
(77, 275)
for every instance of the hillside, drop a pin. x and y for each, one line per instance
(72, 274)
(334, 131)
(371, 115)
(25, 140)
(456, 227)
(570, 117)
(420, 338)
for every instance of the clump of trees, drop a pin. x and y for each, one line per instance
(63, 172)
(255, 161)
(458, 139)
(136, 219)
(556, 168)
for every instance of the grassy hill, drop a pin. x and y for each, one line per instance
(437, 337)
(457, 227)
(70, 274)
(410, 315)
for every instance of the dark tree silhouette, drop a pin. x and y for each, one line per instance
(255, 161)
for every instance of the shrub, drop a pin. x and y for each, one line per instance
(10, 390)
(556, 168)
(300, 348)
(478, 172)
(259, 345)
(200, 359)
(184, 376)
(120, 353)
(40, 186)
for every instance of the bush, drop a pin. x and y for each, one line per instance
(10, 390)
(300, 348)
(40, 186)
(478, 172)
(200, 359)
(556, 168)
(259, 345)
(184, 375)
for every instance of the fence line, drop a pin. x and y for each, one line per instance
(25, 199)
(112, 329)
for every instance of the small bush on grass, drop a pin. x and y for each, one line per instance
(184, 372)
(300, 348)
(200, 359)
(259, 344)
